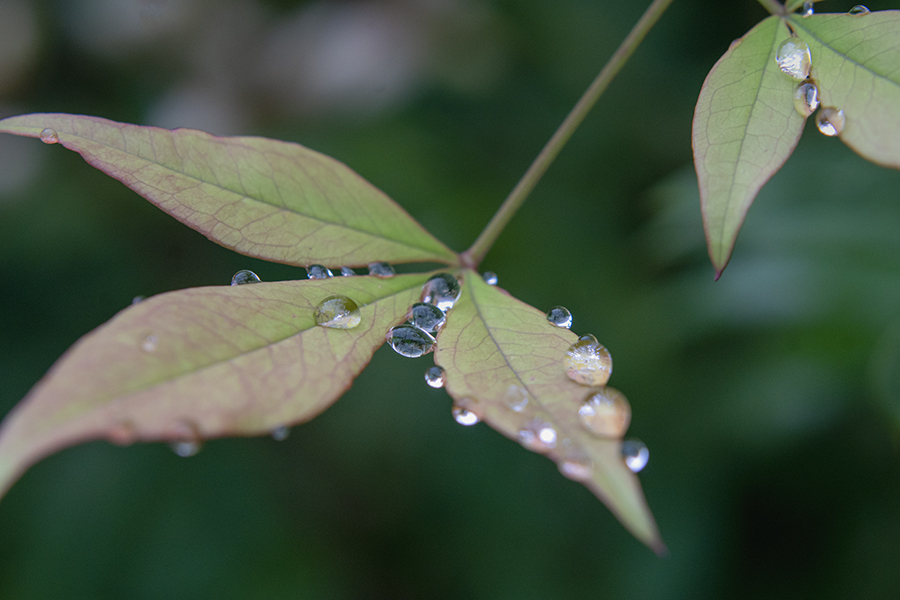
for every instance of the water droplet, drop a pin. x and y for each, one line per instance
(560, 316)
(427, 317)
(636, 454)
(588, 337)
(337, 312)
(576, 465)
(442, 290)
(806, 99)
(588, 362)
(49, 136)
(516, 398)
(435, 376)
(538, 436)
(606, 412)
(279, 434)
(150, 343)
(185, 448)
(138, 299)
(830, 121)
(244, 277)
(122, 434)
(807, 10)
(347, 272)
(409, 341)
(318, 272)
(856, 11)
(490, 278)
(381, 269)
(793, 58)
(464, 416)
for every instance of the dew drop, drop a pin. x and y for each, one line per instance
(857, 11)
(793, 58)
(808, 9)
(409, 341)
(588, 337)
(49, 136)
(442, 290)
(577, 466)
(606, 412)
(347, 272)
(636, 454)
(516, 398)
(185, 448)
(279, 434)
(150, 343)
(588, 362)
(122, 434)
(806, 99)
(435, 376)
(337, 312)
(464, 416)
(138, 299)
(560, 316)
(427, 317)
(538, 436)
(381, 269)
(318, 272)
(244, 277)
(830, 121)
(490, 278)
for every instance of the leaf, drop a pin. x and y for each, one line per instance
(745, 128)
(855, 63)
(203, 363)
(493, 341)
(793, 5)
(264, 198)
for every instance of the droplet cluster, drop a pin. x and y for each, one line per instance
(425, 319)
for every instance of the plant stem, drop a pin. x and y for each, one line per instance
(773, 6)
(474, 255)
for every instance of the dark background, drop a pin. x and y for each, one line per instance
(770, 400)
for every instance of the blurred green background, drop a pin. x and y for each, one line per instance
(770, 400)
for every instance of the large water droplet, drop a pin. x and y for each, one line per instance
(185, 448)
(381, 269)
(807, 10)
(576, 465)
(347, 272)
(588, 362)
(442, 290)
(606, 412)
(560, 316)
(150, 343)
(427, 317)
(49, 136)
(464, 416)
(538, 436)
(806, 99)
(858, 10)
(318, 272)
(410, 341)
(636, 454)
(516, 398)
(490, 278)
(830, 120)
(793, 58)
(337, 312)
(244, 277)
(279, 434)
(435, 376)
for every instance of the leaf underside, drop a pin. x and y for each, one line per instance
(264, 198)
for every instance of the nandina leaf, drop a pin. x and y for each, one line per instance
(204, 362)
(493, 341)
(856, 66)
(265, 198)
(745, 128)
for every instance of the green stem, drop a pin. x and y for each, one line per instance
(773, 6)
(474, 255)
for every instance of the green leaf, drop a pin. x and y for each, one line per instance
(793, 5)
(264, 198)
(855, 66)
(203, 363)
(493, 342)
(745, 128)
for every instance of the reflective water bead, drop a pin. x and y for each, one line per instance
(122, 434)
(442, 290)
(577, 466)
(516, 398)
(636, 454)
(490, 278)
(138, 299)
(808, 9)
(185, 448)
(464, 416)
(806, 99)
(337, 312)
(409, 341)
(606, 412)
(560, 316)
(318, 272)
(435, 376)
(858, 10)
(793, 58)
(381, 269)
(588, 362)
(347, 272)
(244, 277)
(538, 436)
(49, 136)
(830, 121)
(427, 317)
(150, 343)
(279, 434)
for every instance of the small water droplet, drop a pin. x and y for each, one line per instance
(337, 312)
(636, 454)
(279, 434)
(150, 343)
(606, 412)
(244, 277)
(490, 278)
(138, 299)
(794, 59)
(464, 416)
(427, 317)
(576, 465)
(185, 448)
(49, 136)
(318, 272)
(122, 434)
(807, 10)
(516, 398)
(588, 362)
(442, 290)
(435, 376)
(858, 10)
(588, 337)
(381, 269)
(538, 436)
(560, 316)
(410, 341)
(830, 121)
(806, 99)
(347, 272)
